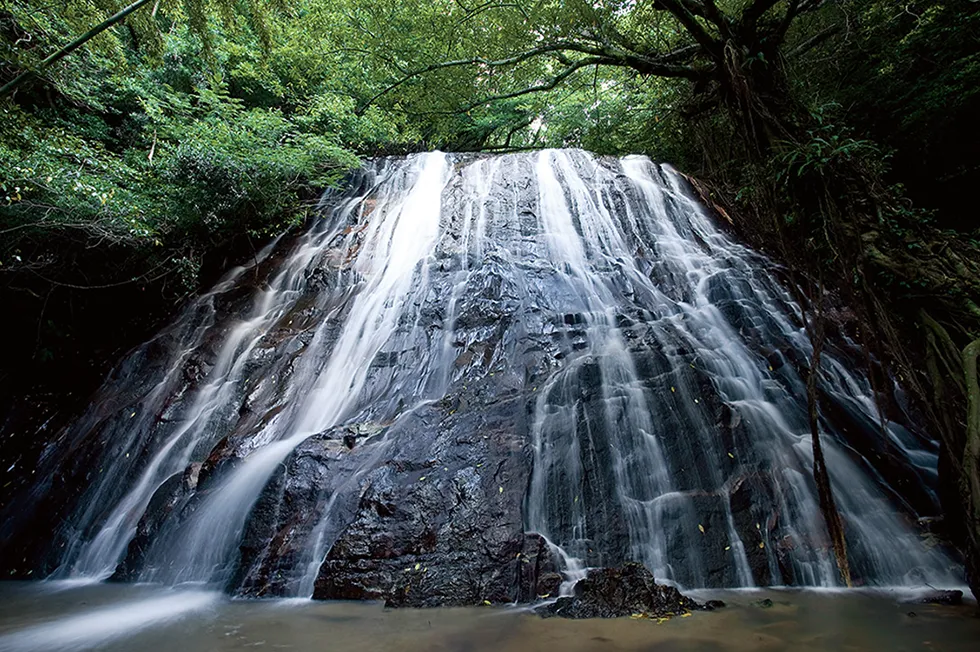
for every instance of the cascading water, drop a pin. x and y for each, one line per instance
(465, 349)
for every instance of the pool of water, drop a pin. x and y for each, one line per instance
(63, 616)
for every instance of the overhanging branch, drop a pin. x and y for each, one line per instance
(708, 10)
(668, 65)
(681, 10)
(814, 41)
(509, 61)
(793, 11)
(12, 85)
(651, 68)
(543, 86)
(755, 11)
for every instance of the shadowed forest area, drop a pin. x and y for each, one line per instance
(141, 160)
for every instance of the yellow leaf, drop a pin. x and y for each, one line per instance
(486, 602)
(762, 544)
(418, 566)
(672, 389)
(701, 527)
(731, 456)
(422, 478)
(687, 615)
(728, 547)
(501, 490)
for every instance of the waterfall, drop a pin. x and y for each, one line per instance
(652, 369)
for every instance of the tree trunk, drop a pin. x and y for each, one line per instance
(825, 494)
(970, 476)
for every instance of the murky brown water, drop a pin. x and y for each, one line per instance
(126, 618)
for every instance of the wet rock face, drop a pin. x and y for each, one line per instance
(171, 495)
(427, 513)
(547, 363)
(624, 591)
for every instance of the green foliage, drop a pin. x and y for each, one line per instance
(616, 113)
(136, 167)
(908, 74)
(827, 146)
(197, 169)
(155, 152)
(194, 123)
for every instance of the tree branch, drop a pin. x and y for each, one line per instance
(793, 11)
(543, 86)
(710, 12)
(662, 70)
(681, 10)
(509, 61)
(12, 85)
(667, 66)
(814, 40)
(755, 11)
(806, 6)
(706, 9)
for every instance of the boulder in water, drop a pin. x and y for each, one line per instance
(941, 597)
(624, 591)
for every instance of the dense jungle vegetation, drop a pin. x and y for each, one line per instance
(838, 135)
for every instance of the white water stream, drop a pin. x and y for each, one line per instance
(673, 433)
